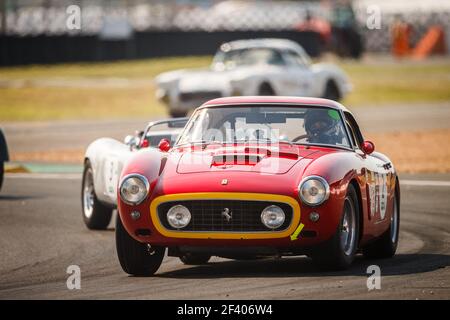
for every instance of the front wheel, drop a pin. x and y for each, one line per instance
(96, 215)
(386, 245)
(136, 258)
(195, 258)
(339, 252)
(266, 90)
(331, 91)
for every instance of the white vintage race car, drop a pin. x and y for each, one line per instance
(252, 67)
(103, 163)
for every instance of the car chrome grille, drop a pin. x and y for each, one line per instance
(207, 215)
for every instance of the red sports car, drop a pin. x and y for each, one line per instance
(252, 177)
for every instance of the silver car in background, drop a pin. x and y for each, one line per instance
(252, 67)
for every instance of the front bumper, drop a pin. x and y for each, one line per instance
(301, 232)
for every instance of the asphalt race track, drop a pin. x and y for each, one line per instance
(42, 233)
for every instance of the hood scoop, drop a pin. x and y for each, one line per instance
(236, 159)
(258, 159)
(280, 153)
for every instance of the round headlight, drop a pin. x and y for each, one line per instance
(314, 190)
(134, 189)
(272, 217)
(178, 216)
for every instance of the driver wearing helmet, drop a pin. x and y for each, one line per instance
(322, 126)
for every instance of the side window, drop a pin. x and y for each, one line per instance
(352, 134)
(275, 58)
(355, 133)
(293, 58)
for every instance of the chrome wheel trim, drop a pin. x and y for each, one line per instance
(394, 223)
(88, 194)
(348, 227)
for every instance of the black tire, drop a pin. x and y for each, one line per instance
(177, 113)
(266, 90)
(2, 171)
(195, 258)
(332, 255)
(386, 245)
(136, 258)
(332, 91)
(96, 215)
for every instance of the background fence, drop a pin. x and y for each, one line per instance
(35, 31)
(64, 48)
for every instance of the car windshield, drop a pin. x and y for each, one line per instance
(266, 124)
(169, 130)
(248, 56)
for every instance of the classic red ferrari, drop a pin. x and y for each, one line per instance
(253, 177)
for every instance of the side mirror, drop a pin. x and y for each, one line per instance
(131, 141)
(145, 143)
(164, 145)
(368, 147)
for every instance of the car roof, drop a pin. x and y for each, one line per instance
(274, 100)
(283, 44)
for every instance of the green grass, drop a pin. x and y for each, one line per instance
(396, 83)
(147, 68)
(33, 104)
(374, 83)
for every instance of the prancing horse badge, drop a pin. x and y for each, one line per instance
(227, 214)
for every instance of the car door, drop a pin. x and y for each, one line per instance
(378, 176)
(112, 159)
(112, 166)
(298, 76)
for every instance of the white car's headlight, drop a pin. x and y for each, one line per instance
(178, 216)
(134, 189)
(314, 190)
(273, 217)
